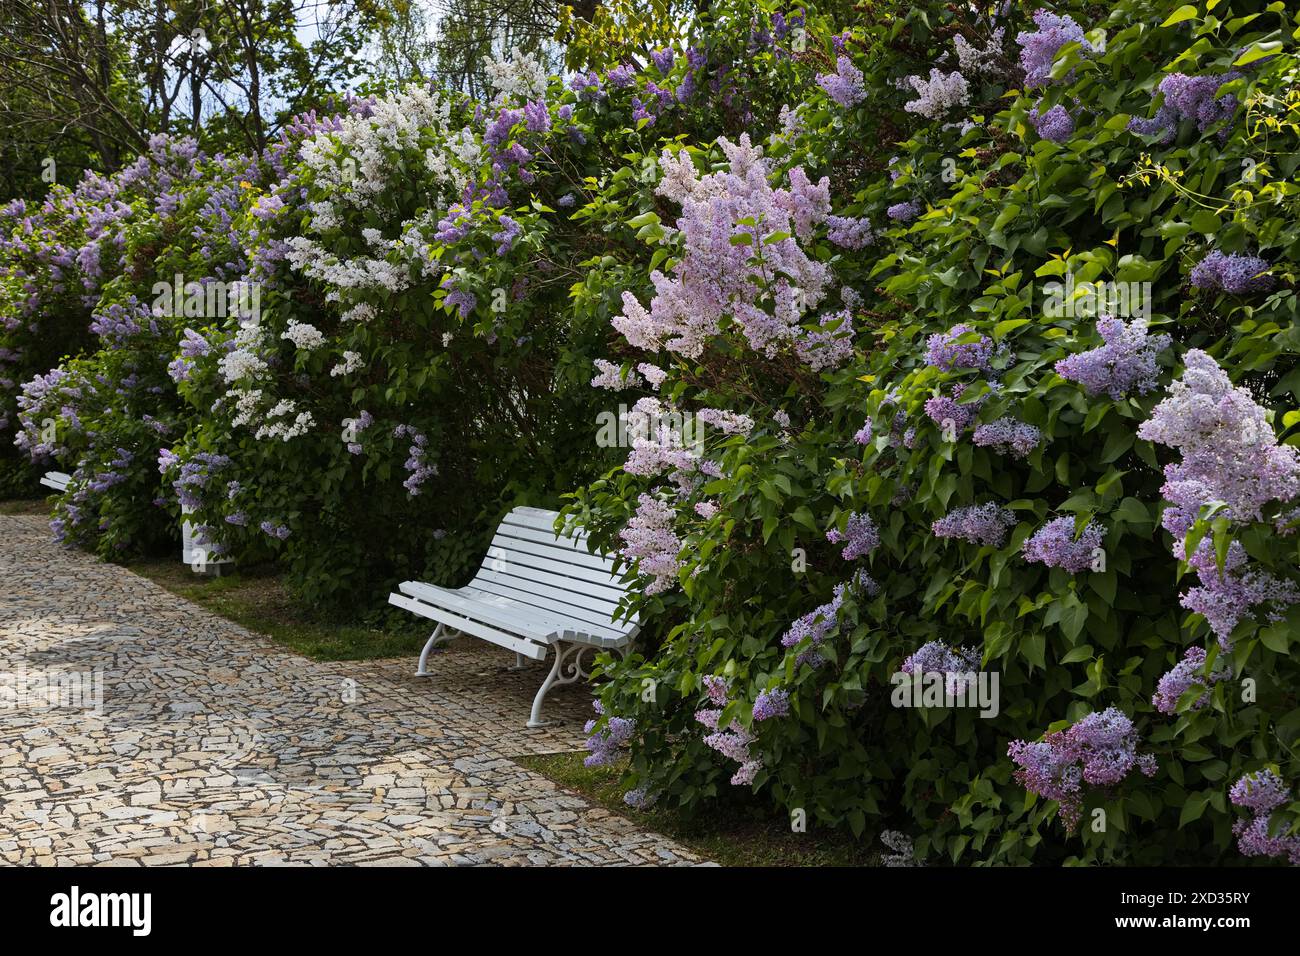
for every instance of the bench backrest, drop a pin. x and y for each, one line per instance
(56, 480)
(528, 562)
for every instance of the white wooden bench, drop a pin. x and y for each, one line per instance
(535, 591)
(56, 480)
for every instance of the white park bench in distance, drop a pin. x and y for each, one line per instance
(535, 592)
(56, 480)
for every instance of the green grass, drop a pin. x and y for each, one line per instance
(730, 835)
(257, 599)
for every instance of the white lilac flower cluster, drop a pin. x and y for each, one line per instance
(284, 422)
(980, 60)
(352, 362)
(936, 96)
(522, 77)
(303, 335)
(243, 361)
(354, 162)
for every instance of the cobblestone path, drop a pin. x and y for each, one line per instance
(214, 747)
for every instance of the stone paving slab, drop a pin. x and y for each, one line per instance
(182, 738)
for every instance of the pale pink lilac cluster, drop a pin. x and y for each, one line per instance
(613, 377)
(959, 665)
(850, 232)
(1125, 362)
(1008, 436)
(1233, 273)
(844, 86)
(1056, 545)
(985, 524)
(650, 541)
(1187, 674)
(938, 95)
(729, 423)
(831, 346)
(1263, 792)
(860, 537)
(1099, 750)
(735, 740)
(1229, 450)
(1038, 49)
(765, 286)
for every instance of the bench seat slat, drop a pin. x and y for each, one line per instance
(511, 642)
(535, 623)
(549, 605)
(496, 614)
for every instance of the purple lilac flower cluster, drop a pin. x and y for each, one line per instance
(844, 86)
(828, 347)
(418, 468)
(959, 348)
(1225, 596)
(985, 524)
(766, 285)
(194, 475)
(1233, 273)
(1263, 792)
(275, 530)
(605, 742)
(860, 537)
(1187, 674)
(1056, 125)
(819, 623)
(1008, 437)
(959, 665)
(1038, 50)
(1189, 98)
(1100, 750)
(904, 211)
(771, 703)
(849, 232)
(1126, 361)
(1055, 545)
(948, 411)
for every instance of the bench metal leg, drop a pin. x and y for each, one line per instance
(567, 669)
(441, 635)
